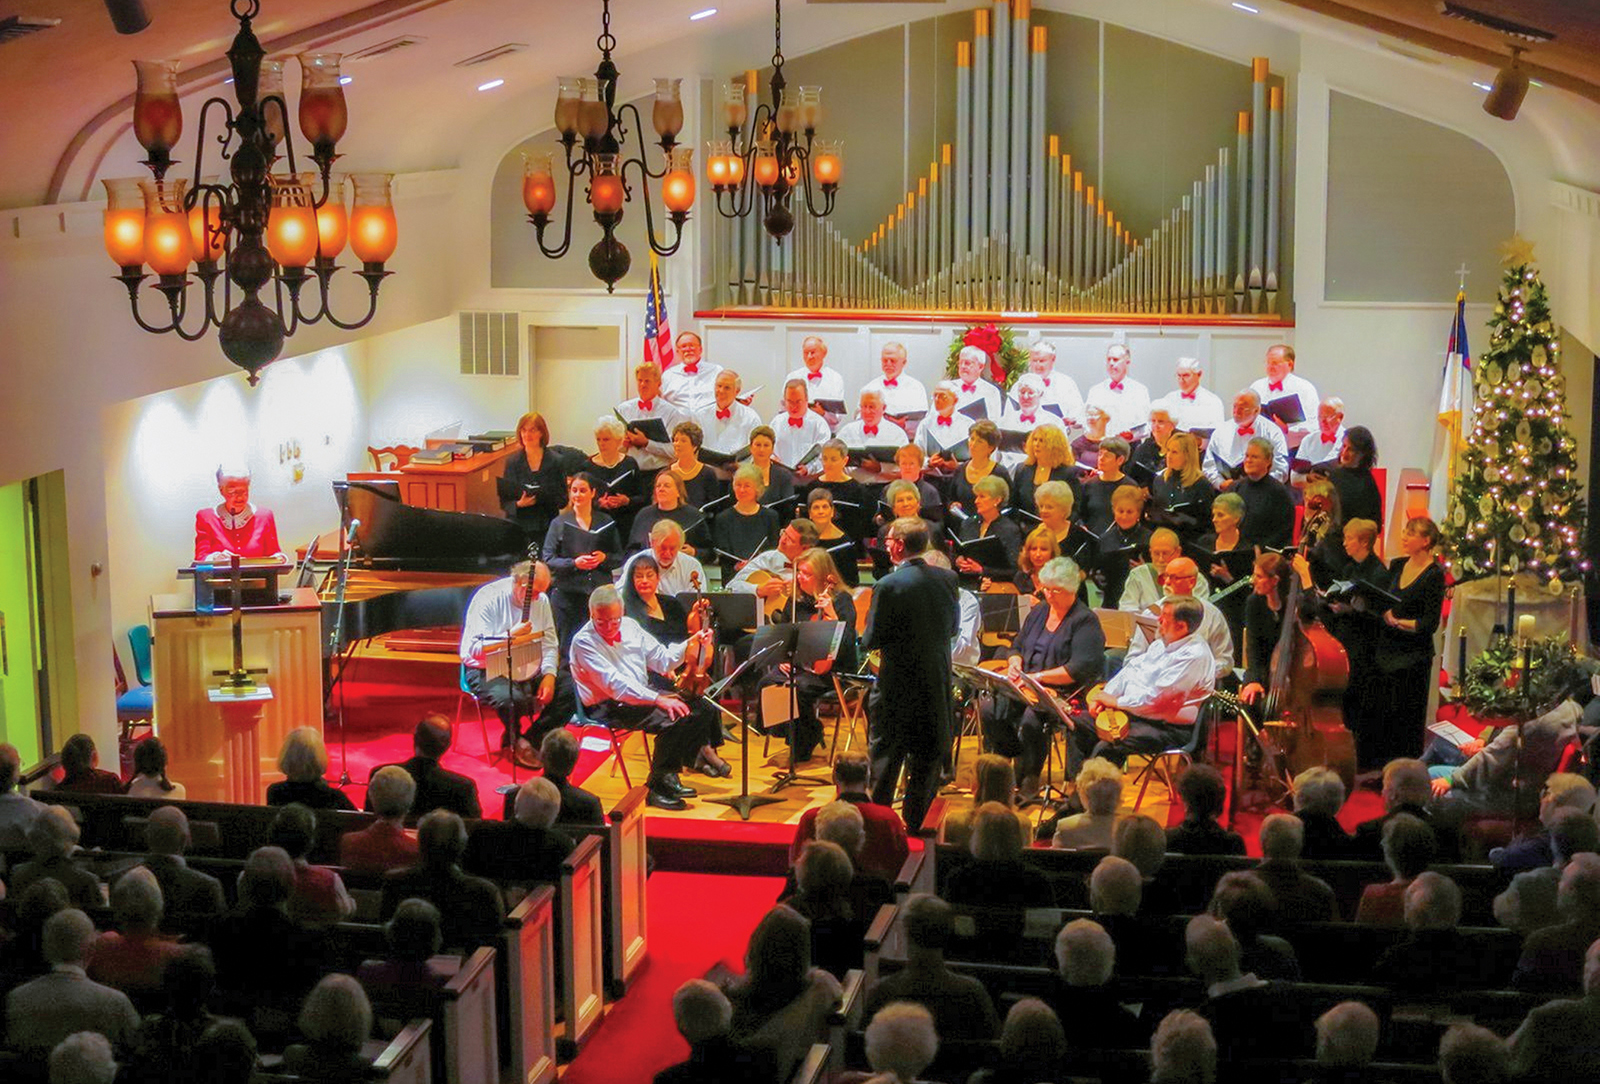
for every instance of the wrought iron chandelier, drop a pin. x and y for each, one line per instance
(771, 156)
(261, 228)
(587, 114)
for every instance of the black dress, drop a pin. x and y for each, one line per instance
(852, 505)
(1076, 643)
(703, 488)
(1262, 627)
(739, 537)
(1268, 511)
(1359, 497)
(1023, 486)
(1405, 664)
(846, 559)
(810, 686)
(1184, 509)
(960, 490)
(1010, 536)
(626, 479)
(548, 485)
(1096, 514)
(696, 533)
(780, 488)
(1357, 631)
(1118, 550)
(1233, 606)
(570, 585)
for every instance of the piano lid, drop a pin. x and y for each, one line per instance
(397, 535)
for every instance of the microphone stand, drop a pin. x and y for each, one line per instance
(340, 656)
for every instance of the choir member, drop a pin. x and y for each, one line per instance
(678, 570)
(727, 422)
(903, 396)
(853, 504)
(619, 481)
(989, 496)
(1060, 390)
(1047, 458)
(1121, 544)
(1181, 494)
(701, 484)
(1227, 536)
(1321, 446)
(235, 527)
(650, 455)
(1125, 400)
(816, 376)
(1263, 623)
(581, 549)
(944, 429)
(1054, 501)
(1359, 495)
(533, 484)
(872, 428)
(1348, 617)
(1060, 645)
(671, 503)
(1225, 451)
(820, 595)
(1143, 587)
(747, 528)
(1086, 445)
(909, 464)
(1191, 406)
(1268, 503)
(1039, 548)
(1151, 452)
(1280, 381)
(1097, 491)
(796, 428)
(904, 500)
(982, 441)
(1322, 534)
(689, 385)
(777, 480)
(971, 387)
(842, 546)
(1405, 657)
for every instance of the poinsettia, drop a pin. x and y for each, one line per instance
(985, 337)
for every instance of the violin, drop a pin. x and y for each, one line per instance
(694, 678)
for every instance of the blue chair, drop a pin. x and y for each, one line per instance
(135, 703)
(583, 720)
(483, 727)
(1184, 755)
(139, 644)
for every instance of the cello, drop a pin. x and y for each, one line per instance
(1304, 703)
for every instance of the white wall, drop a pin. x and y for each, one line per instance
(414, 385)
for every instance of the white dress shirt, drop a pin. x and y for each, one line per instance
(1062, 390)
(691, 392)
(730, 434)
(1141, 592)
(934, 438)
(620, 671)
(1213, 633)
(826, 383)
(854, 434)
(1128, 408)
(770, 561)
(1228, 445)
(1168, 682)
(493, 613)
(676, 578)
(983, 390)
(655, 455)
(1300, 388)
(965, 648)
(1204, 411)
(790, 442)
(1316, 449)
(906, 396)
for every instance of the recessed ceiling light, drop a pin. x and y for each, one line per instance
(1485, 87)
(491, 84)
(345, 79)
(1535, 83)
(1246, 7)
(705, 14)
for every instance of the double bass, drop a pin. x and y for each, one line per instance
(1304, 702)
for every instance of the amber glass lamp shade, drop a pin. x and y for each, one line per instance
(718, 170)
(373, 230)
(735, 105)
(827, 163)
(677, 187)
(605, 187)
(538, 183)
(568, 89)
(333, 221)
(323, 114)
(592, 117)
(157, 118)
(666, 115)
(810, 115)
(766, 165)
(124, 222)
(168, 243)
(292, 223)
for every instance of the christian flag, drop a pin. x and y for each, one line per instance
(657, 332)
(1455, 405)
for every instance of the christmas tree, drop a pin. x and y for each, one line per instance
(1514, 506)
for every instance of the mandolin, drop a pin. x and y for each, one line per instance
(1110, 723)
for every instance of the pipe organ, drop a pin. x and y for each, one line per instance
(1002, 221)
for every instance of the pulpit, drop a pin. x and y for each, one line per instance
(224, 748)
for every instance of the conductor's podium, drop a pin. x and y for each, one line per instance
(226, 749)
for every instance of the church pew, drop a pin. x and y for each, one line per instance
(582, 931)
(407, 1059)
(814, 1068)
(465, 1030)
(527, 981)
(846, 1016)
(627, 882)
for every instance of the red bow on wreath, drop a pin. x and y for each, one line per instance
(987, 338)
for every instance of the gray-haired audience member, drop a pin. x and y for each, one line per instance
(335, 1020)
(1301, 897)
(472, 907)
(83, 1058)
(17, 810)
(1529, 902)
(1318, 796)
(1246, 904)
(1408, 849)
(959, 1003)
(1033, 1046)
(1559, 1036)
(225, 1054)
(1183, 1050)
(412, 963)
(385, 845)
(1469, 1054)
(1084, 1000)
(41, 1013)
(1553, 958)
(703, 1016)
(133, 957)
(53, 839)
(1248, 1017)
(186, 891)
(901, 1041)
(1347, 1039)
(559, 751)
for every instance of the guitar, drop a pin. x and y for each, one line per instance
(1274, 767)
(776, 607)
(527, 653)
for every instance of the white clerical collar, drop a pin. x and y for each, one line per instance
(233, 522)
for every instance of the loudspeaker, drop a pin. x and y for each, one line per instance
(128, 16)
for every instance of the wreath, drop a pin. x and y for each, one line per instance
(1007, 358)
(1494, 684)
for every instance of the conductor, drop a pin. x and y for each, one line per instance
(912, 622)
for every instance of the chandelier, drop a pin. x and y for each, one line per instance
(586, 113)
(259, 229)
(771, 155)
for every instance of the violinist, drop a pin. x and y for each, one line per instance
(1263, 623)
(665, 618)
(820, 596)
(1181, 494)
(842, 547)
(982, 440)
(1048, 458)
(700, 483)
(669, 503)
(989, 498)
(1322, 534)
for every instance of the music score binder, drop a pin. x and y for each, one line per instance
(1285, 409)
(654, 429)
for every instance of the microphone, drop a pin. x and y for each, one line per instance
(350, 532)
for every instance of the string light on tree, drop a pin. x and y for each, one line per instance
(1515, 505)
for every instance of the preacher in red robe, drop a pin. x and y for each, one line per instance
(235, 526)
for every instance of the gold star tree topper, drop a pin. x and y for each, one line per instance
(1517, 251)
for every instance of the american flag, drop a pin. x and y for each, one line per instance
(1455, 410)
(657, 332)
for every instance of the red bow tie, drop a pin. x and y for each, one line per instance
(647, 404)
(891, 382)
(613, 641)
(724, 415)
(1046, 380)
(1275, 387)
(1116, 385)
(814, 376)
(1189, 395)
(1029, 418)
(691, 369)
(796, 423)
(1247, 430)
(941, 420)
(969, 388)
(870, 430)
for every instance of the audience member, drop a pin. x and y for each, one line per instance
(23, 958)
(1318, 796)
(52, 840)
(133, 958)
(335, 1020)
(1183, 1050)
(1529, 903)
(1435, 956)
(1141, 840)
(1469, 1054)
(225, 1054)
(1033, 1047)
(1246, 904)
(1563, 790)
(319, 897)
(150, 773)
(1085, 997)
(1405, 790)
(1347, 1039)
(526, 848)
(1408, 849)
(841, 823)
(1116, 892)
(64, 1001)
(998, 882)
(471, 906)
(303, 761)
(412, 964)
(437, 786)
(1203, 794)
(385, 845)
(259, 948)
(823, 878)
(1558, 1036)
(17, 810)
(1301, 897)
(185, 891)
(1553, 958)
(81, 771)
(1099, 786)
(993, 780)
(885, 849)
(1248, 1017)
(781, 1002)
(82, 1058)
(960, 1005)
(559, 751)
(168, 1039)
(703, 1016)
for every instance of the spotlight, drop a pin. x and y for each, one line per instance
(128, 16)
(1510, 87)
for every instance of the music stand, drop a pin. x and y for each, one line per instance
(744, 801)
(1050, 703)
(798, 644)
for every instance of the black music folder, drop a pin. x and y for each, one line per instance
(1014, 440)
(1285, 409)
(808, 457)
(729, 609)
(1143, 474)
(1239, 562)
(1305, 466)
(1202, 434)
(961, 452)
(988, 551)
(1228, 470)
(831, 406)
(784, 506)
(883, 453)
(881, 565)
(977, 410)
(654, 429)
(717, 504)
(1363, 595)
(907, 417)
(591, 539)
(611, 486)
(843, 551)
(713, 458)
(1080, 545)
(510, 491)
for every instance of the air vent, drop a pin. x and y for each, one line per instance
(1495, 23)
(384, 48)
(13, 27)
(490, 344)
(493, 54)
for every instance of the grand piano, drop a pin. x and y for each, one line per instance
(413, 570)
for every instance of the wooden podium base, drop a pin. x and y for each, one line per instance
(241, 745)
